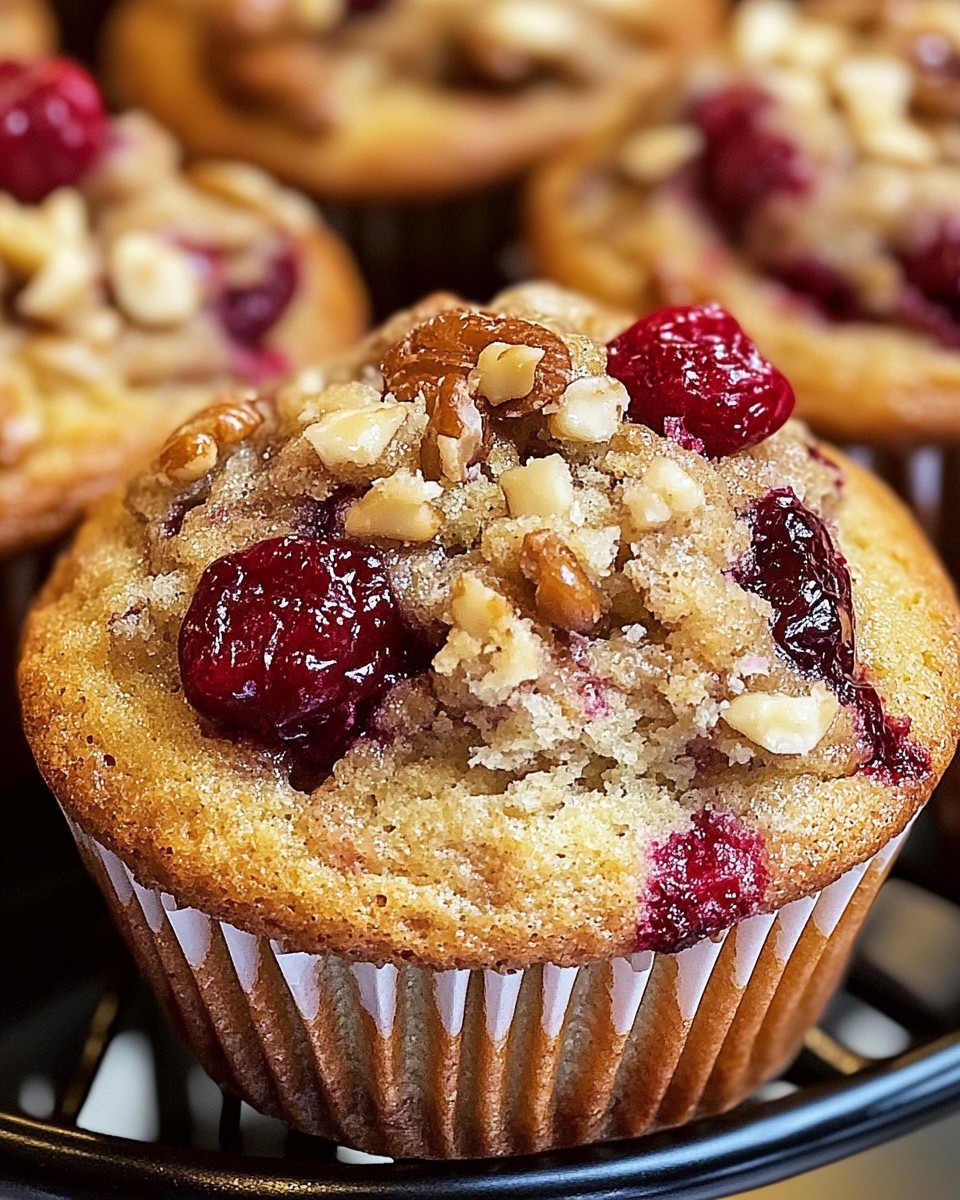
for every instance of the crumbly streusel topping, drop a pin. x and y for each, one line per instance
(825, 143)
(135, 277)
(573, 574)
(315, 61)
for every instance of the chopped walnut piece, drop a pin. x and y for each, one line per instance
(399, 508)
(590, 410)
(451, 343)
(155, 283)
(783, 724)
(455, 436)
(565, 596)
(356, 436)
(194, 449)
(541, 488)
(505, 371)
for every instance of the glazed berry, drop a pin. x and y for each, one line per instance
(793, 564)
(53, 127)
(294, 641)
(692, 373)
(249, 313)
(702, 881)
(744, 160)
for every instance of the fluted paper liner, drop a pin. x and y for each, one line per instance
(411, 1062)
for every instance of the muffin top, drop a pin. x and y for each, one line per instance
(517, 634)
(27, 29)
(820, 143)
(374, 98)
(129, 286)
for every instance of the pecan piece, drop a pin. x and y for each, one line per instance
(565, 596)
(195, 448)
(456, 436)
(452, 342)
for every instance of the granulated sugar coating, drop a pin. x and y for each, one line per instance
(604, 748)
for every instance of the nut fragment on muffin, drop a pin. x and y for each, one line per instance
(416, 679)
(132, 286)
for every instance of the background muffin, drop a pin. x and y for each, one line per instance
(435, 668)
(806, 176)
(132, 288)
(27, 29)
(420, 115)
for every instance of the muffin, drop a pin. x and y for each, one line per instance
(417, 115)
(806, 176)
(27, 29)
(132, 288)
(493, 739)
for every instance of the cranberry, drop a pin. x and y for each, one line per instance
(744, 160)
(359, 7)
(794, 565)
(930, 302)
(295, 641)
(249, 313)
(825, 287)
(702, 881)
(915, 311)
(694, 373)
(53, 126)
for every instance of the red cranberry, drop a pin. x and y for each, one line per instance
(930, 303)
(53, 126)
(702, 881)
(744, 160)
(359, 7)
(694, 373)
(794, 565)
(825, 287)
(295, 641)
(249, 313)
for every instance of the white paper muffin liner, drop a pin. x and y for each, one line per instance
(410, 1062)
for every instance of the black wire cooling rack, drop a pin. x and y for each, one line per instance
(70, 991)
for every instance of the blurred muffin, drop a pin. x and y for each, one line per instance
(133, 287)
(418, 114)
(807, 177)
(475, 771)
(27, 29)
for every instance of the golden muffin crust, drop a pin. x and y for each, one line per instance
(109, 330)
(595, 664)
(417, 98)
(828, 270)
(27, 29)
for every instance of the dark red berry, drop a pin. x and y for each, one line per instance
(701, 882)
(930, 301)
(295, 641)
(53, 126)
(793, 564)
(359, 7)
(820, 283)
(692, 373)
(249, 313)
(744, 160)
